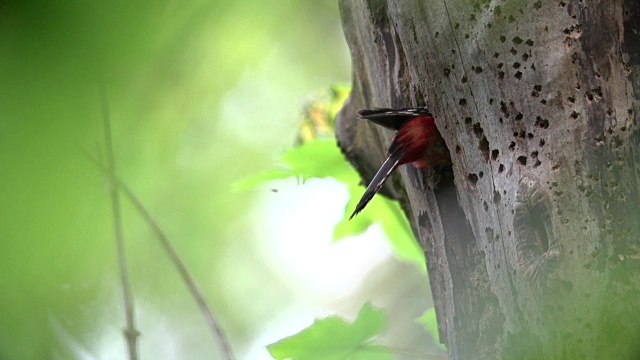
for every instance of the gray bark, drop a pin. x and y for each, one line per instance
(533, 247)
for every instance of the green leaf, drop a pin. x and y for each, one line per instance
(318, 158)
(394, 223)
(334, 338)
(430, 323)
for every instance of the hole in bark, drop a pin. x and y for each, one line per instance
(485, 205)
(575, 115)
(518, 75)
(513, 51)
(543, 123)
(462, 102)
(503, 38)
(500, 169)
(501, 74)
(529, 42)
(522, 160)
(496, 197)
(480, 174)
(536, 247)
(468, 120)
(543, 102)
(517, 40)
(503, 108)
(473, 179)
(512, 146)
(494, 154)
(458, 149)
(541, 143)
(477, 130)
(484, 148)
(519, 116)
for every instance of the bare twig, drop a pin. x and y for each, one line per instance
(221, 339)
(130, 332)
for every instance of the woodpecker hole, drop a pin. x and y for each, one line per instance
(536, 247)
(496, 197)
(522, 160)
(484, 148)
(473, 179)
(477, 130)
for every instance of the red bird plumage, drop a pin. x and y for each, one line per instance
(417, 141)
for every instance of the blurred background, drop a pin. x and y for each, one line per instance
(201, 95)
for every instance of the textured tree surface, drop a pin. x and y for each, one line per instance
(533, 245)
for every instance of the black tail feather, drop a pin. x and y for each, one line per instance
(378, 180)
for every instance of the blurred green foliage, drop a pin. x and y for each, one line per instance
(430, 323)
(333, 338)
(201, 93)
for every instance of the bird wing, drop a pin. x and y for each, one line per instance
(392, 162)
(392, 118)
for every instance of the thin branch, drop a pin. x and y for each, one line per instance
(130, 332)
(223, 343)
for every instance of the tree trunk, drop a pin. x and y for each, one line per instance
(533, 247)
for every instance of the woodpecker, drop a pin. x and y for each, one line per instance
(417, 141)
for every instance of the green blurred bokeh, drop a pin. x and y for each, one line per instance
(201, 94)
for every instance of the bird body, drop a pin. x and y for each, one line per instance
(417, 141)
